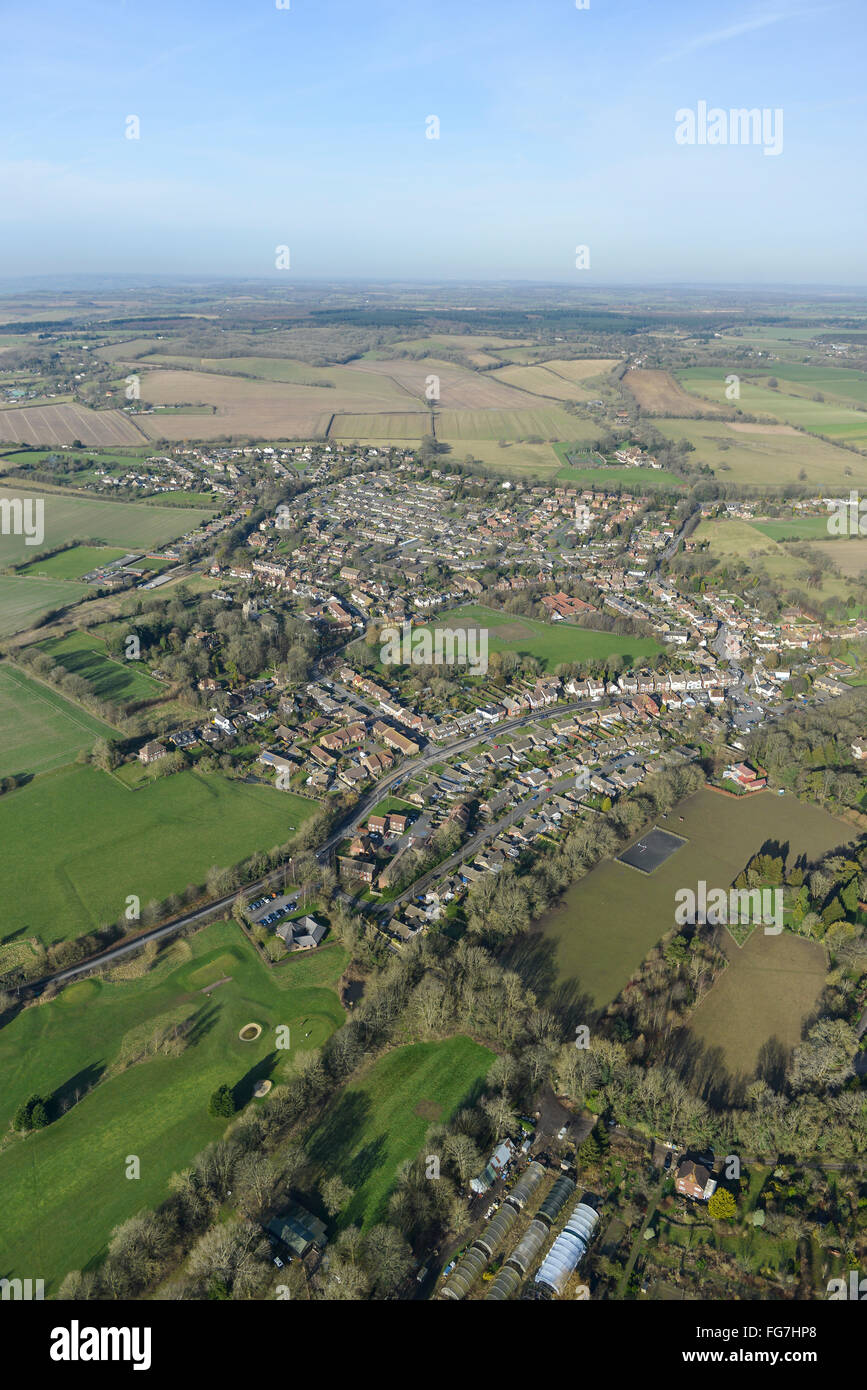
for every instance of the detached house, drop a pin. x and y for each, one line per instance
(694, 1181)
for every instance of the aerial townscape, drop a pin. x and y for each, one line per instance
(433, 735)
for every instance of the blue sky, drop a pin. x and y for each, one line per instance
(306, 127)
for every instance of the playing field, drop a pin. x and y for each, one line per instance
(106, 842)
(551, 644)
(22, 600)
(40, 730)
(64, 1187)
(78, 561)
(635, 480)
(132, 525)
(117, 681)
(381, 1121)
(770, 987)
(607, 922)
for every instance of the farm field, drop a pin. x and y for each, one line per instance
(607, 922)
(151, 842)
(752, 458)
(843, 384)
(244, 407)
(340, 379)
(381, 429)
(849, 556)
(22, 601)
(66, 1184)
(549, 422)
(63, 424)
(730, 538)
(837, 421)
(132, 525)
(658, 392)
(551, 644)
(532, 460)
(72, 564)
(39, 729)
(462, 342)
(459, 389)
(770, 987)
(581, 368)
(564, 380)
(381, 1121)
(118, 681)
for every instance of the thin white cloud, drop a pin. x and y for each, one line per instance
(732, 31)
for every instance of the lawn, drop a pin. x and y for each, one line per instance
(39, 729)
(86, 656)
(381, 1121)
(64, 1188)
(78, 561)
(607, 922)
(77, 842)
(133, 525)
(552, 644)
(23, 601)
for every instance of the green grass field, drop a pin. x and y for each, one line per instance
(381, 1121)
(107, 842)
(796, 528)
(64, 1188)
(23, 600)
(39, 729)
(72, 564)
(530, 460)
(730, 538)
(754, 459)
(118, 681)
(791, 403)
(551, 644)
(132, 525)
(607, 922)
(550, 422)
